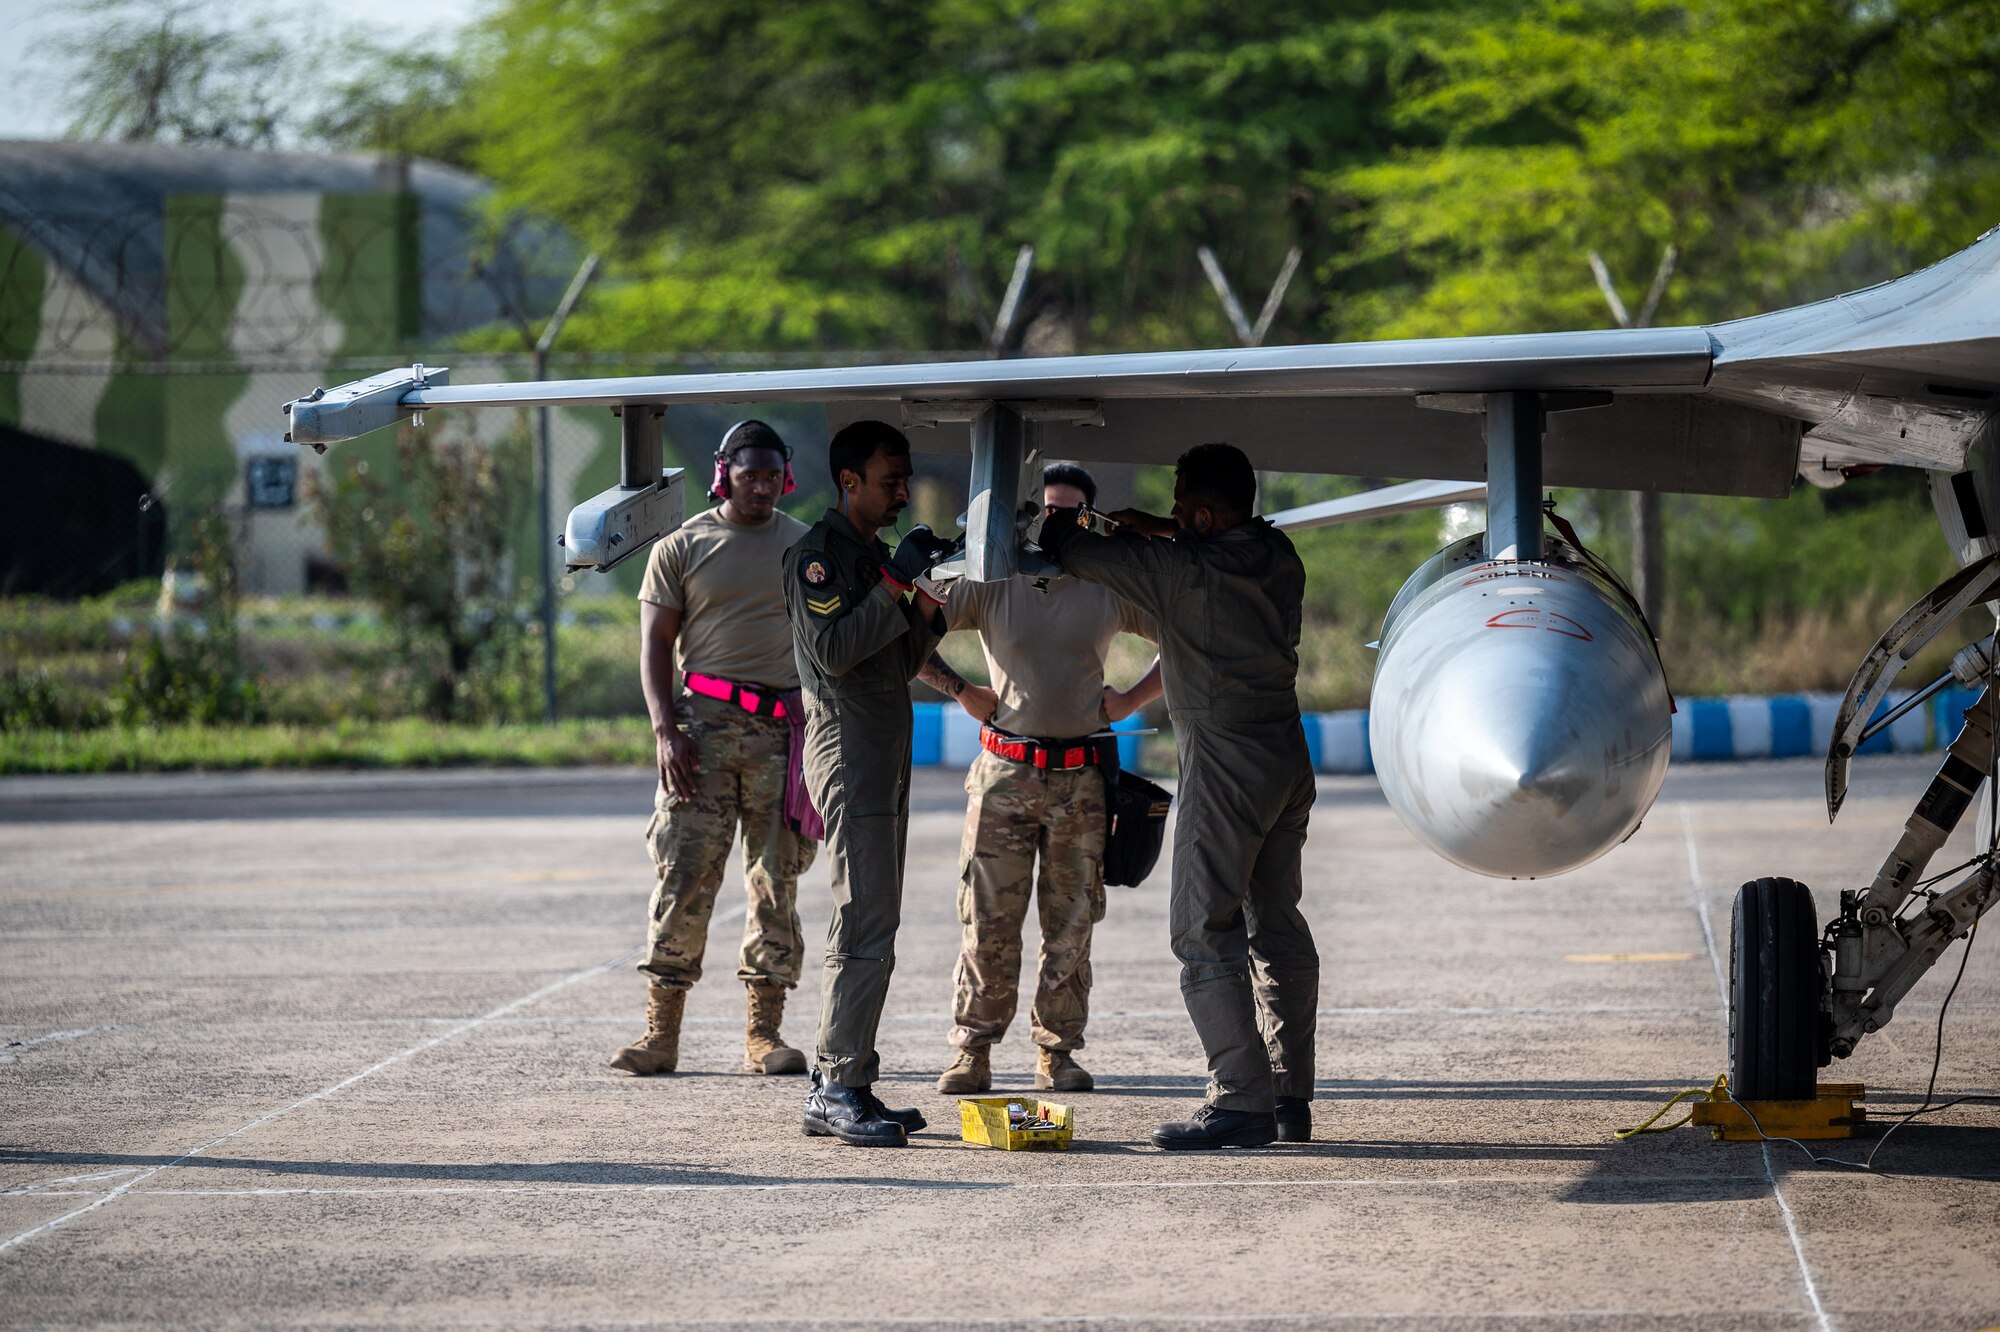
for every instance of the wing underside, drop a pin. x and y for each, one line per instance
(1906, 373)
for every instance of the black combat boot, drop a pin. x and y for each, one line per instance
(912, 1119)
(1295, 1119)
(1213, 1126)
(851, 1114)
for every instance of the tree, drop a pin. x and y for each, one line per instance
(189, 667)
(820, 175)
(177, 73)
(428, 546)
(406, 103)
(1790, 149)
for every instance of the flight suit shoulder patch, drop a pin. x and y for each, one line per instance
(822, 596)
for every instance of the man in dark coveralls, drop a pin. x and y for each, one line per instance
(1227, 589)
(860, 630)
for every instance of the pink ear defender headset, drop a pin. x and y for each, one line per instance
(719, 487)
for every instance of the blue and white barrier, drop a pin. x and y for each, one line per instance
(1743, 726)
(945, 735)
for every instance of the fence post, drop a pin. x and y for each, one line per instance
(1649, 556)
(545, 484)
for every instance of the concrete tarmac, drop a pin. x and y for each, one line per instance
(328, 1051)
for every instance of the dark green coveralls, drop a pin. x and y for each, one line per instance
(1228, 608)
(859, 642)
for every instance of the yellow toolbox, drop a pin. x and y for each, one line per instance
(984, 1120)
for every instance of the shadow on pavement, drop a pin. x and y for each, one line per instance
(497, 1172)
(1400, 1089)
(472, 793)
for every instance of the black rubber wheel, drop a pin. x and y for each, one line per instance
(1774, 992)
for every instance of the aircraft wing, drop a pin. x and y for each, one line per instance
(1409, 497)
(1904, 373)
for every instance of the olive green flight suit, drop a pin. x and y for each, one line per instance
(859, 643)
(1229, 609)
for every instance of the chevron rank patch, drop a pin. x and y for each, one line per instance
(823, 606)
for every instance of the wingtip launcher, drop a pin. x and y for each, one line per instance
(328, 416)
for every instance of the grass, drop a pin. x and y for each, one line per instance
(405, 743)
(1770, 596)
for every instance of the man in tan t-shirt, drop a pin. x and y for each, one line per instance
(714, 592)
(1034, 792)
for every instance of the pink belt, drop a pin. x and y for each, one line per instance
(761, 703)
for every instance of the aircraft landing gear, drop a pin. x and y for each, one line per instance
(1778, 1007)
(1890, 933)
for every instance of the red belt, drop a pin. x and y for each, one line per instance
(1055, 755)
(763, 702)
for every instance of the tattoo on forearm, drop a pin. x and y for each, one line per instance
(941, 677)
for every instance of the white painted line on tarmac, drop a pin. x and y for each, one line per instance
(1341, 1318)
(47, 1187)
(6, 1058)
(1798, 1246)
(1700, 899)
(470, 1025)
(1722, 998)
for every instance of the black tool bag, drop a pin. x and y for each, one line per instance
(1136, 821)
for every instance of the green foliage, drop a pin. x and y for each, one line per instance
(399, 744)
(597, 659)
(34, 698)
(397, 101)
(429, 548)
(189, 667)
(840, 174)
(1788, 148)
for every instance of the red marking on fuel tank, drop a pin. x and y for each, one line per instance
(1533, 617)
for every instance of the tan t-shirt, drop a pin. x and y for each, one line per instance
(727, 581)
(1045, 649)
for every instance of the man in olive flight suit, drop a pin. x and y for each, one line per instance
(1227, 590)
(860, 631)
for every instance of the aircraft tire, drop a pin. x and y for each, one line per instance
(1774, 992)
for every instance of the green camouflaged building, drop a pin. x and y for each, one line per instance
(158, 302)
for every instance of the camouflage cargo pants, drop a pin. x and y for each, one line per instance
(1017, 815)
(741, 785)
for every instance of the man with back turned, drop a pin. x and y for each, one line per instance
(860, 631)
(1227, 590)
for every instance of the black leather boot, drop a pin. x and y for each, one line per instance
(851, 1114)
(1295, 1119)
(1213, 1127)
(911, 1119)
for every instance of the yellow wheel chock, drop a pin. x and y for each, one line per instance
(1832, 1113)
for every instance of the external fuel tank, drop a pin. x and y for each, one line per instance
(1520, 721)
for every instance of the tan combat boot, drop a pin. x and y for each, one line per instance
(660, 1050)
(764, 1051)
(970, 1073)
(1057, 1070)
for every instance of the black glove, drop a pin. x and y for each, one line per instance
(1049, 527)
(914, 556)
